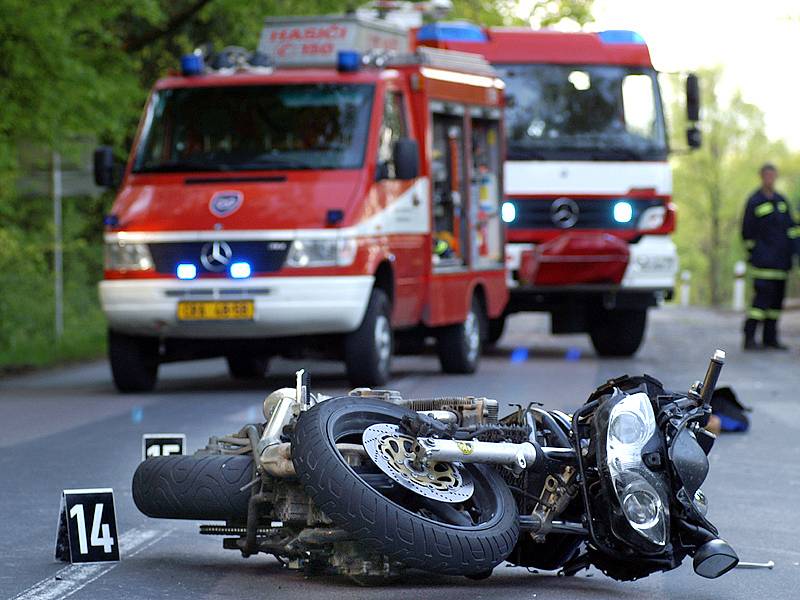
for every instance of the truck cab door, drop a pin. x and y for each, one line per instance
(448, 172)
(486, 189)
(405, 213)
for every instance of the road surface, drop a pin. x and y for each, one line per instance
(68, 428)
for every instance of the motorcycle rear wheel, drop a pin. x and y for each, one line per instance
(466, 539)
(201, 487)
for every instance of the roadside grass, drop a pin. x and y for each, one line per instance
(83, 339)
(27, 297)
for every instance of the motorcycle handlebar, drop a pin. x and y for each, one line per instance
(712, 375)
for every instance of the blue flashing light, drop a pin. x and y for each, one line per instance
(240, 270)
(519, 354)
(348, 61)
(620, 36)
(623, 212)
(454, 31)
(192, 64)
(186, 271)
(508, 212)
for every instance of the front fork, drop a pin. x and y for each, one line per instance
(516, 456)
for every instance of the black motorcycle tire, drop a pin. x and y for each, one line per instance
(199, 487)
(377, 522)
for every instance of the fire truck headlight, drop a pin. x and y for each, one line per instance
(122, 256)
(339, 252)
(508, 212)
(652, 218)
(623, 212)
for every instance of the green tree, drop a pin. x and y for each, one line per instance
(542, 13)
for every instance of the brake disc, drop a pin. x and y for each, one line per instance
(394, 453)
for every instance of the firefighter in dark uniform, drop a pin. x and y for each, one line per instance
(771, 238)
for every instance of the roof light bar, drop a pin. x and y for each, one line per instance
(192, 64)
(620, 36)
(454, 31)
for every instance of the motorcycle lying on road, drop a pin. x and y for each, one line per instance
(370, 485)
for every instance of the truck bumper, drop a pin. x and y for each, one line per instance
(652, 266)
(284, 306)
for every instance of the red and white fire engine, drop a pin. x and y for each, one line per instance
(318, 196)
(587, 182)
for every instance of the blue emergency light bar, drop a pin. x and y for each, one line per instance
(192, 64)
(454, 31)
(620, 36)
(348, 61)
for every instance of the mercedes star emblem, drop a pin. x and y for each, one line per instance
(564, 213)
(216, 256)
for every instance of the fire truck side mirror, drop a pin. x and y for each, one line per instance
(405, 156)
(104, 167)
(694, 137)
(692, 98)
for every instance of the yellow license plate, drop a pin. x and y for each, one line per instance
(226, 310)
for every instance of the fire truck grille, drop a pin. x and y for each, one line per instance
(560, 212)
(263, 256)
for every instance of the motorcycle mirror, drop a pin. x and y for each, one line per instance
(714, 558)
(690, 461)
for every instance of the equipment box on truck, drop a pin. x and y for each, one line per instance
(587, 183)
(334, 203)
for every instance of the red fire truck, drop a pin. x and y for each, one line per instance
(309, 199)
(587, 182)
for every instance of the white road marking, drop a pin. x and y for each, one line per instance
(73, 578)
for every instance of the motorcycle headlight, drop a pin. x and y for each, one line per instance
(631, 425)
(124, 256)
(338, 252)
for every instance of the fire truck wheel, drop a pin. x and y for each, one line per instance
(496, 327)
(618, 332)
(134, 362)
(459, 346)
(244, 366)
(368, 350)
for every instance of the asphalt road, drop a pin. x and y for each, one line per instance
(68, 428)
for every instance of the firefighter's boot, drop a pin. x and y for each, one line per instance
(750, 326)
(771, 335)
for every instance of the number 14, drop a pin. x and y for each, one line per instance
(106, 541)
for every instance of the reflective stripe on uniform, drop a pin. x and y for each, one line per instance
(793, 232)
(771, 274)
(756, 313)
(772, 313)
(782, 207)
(763, 209)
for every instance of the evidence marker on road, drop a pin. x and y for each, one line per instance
(163, 444)
(87, 527)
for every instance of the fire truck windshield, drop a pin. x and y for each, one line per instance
(577, 112)
(238, 128)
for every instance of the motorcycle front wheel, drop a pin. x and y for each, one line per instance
(468, 538)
